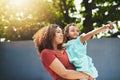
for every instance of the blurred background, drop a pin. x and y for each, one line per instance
(20, 19)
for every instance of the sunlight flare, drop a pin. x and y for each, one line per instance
(18, 3)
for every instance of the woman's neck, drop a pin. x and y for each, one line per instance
(55, 47)
(59, 51)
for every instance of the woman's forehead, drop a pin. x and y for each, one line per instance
(58, 28)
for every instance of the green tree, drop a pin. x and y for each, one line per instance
(20, 20)
(65, 8)
(105, 10)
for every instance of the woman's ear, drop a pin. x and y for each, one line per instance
(67, 35)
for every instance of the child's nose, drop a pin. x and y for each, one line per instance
(76, 32)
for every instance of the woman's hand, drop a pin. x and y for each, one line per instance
(90, 78)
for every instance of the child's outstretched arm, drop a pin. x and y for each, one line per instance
(88, 35)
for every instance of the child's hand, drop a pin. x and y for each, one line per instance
(111, 25)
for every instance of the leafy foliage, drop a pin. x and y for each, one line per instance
(20, 19)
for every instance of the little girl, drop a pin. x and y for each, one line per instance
(76, 48)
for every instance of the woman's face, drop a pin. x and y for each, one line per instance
(58, 38)
(73, 32)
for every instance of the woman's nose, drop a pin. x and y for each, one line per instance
(61, 34)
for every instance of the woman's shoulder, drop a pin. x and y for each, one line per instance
(46, 51)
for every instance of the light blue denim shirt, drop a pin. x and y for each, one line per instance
(76, 51)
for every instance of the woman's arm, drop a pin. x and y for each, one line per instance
(88, 35)
(59, 69)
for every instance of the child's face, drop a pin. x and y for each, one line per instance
(73, 32)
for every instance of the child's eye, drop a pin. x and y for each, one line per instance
(58, 31)
(77, 30)
(72, 31)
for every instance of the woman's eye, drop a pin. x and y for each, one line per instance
(58, 31)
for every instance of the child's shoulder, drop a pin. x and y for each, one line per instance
(82, 34)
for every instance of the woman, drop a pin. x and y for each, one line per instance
(53, 56)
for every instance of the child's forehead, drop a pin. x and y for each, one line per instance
(73, 27)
